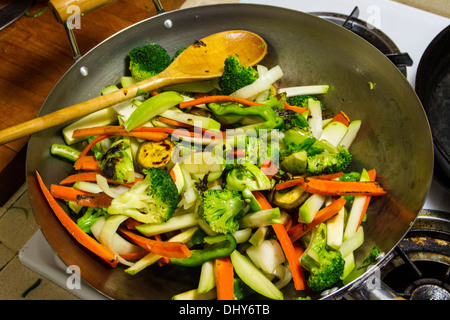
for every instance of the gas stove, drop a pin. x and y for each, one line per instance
(418, 268)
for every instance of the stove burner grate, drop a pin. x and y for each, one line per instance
(419, 267)
(374, 36)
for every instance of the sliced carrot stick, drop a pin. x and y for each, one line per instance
(151, 133)
(161, 248)
(91, 144)
(342, 188)
(65, 193)
(87, 163)
(294, 108)
(224, 272)
(218, 98)
(88, 148)
(98, 200)
(330, 176)
(269, 168)
(286, 245)
(300, 229)
(134, 255)
(173, 122)
(297, 181)
(341, 117)
(90, 176)
(372, 175)
(83, 238)
(289, 183)
(163, 260)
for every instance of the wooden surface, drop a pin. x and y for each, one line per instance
(35, 53)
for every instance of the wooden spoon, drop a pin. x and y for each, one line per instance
(202, 60)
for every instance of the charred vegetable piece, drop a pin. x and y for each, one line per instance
(154, 154)
(117, 163)
(289, 198)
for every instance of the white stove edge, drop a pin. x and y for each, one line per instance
(405, 27)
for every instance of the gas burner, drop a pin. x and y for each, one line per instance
(419, 267)
(368, 32)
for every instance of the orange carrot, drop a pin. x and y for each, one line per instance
(173, 122)
(330, 176)
(91, 144)
(153, 133)
(269, 168)
(289, 183)
(163, 260)
(218, 98)
(161, 248)
(224, 272)
(83, 238)
(98, 200)
(341, 117)
(88, 163)
(134, 255)
(300, 229)
(90, 176)
(294, 108)
(286, 245)
(342, 188)
(297, 181)
(65, 193)
(372, 175)
(88, 148)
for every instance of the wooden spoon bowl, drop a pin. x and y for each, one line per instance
(202, 60)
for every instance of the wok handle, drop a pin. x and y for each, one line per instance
(62, 9)
(372, 288)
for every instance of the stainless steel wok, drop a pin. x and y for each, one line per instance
(395, 137)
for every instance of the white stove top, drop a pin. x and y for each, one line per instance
(410, 29)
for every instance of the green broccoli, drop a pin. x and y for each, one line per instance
(236, 76)
(371, 258)
(302, 101)
(222, 210)
(152, 200)
(292, 119)
(117, 162)
(323, 158)
(148, 60)
(90, 216)
(329, 162)
(325, 265)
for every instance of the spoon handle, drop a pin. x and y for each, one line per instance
(81, 109)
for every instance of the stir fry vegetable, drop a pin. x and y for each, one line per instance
(237, 177)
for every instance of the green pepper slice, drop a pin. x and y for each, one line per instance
(219, 246)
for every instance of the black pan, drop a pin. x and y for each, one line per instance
(395, 137)
(433, 88)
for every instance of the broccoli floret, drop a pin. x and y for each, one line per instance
(117, 163)
(329, 162)
(222, 210)
(152, 200)
(148, 60)
(90, 216)
(292, 119)
(236, 76)
(325, 265)
(302, 101)
(371, 258)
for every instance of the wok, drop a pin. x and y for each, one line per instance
(395, 136)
